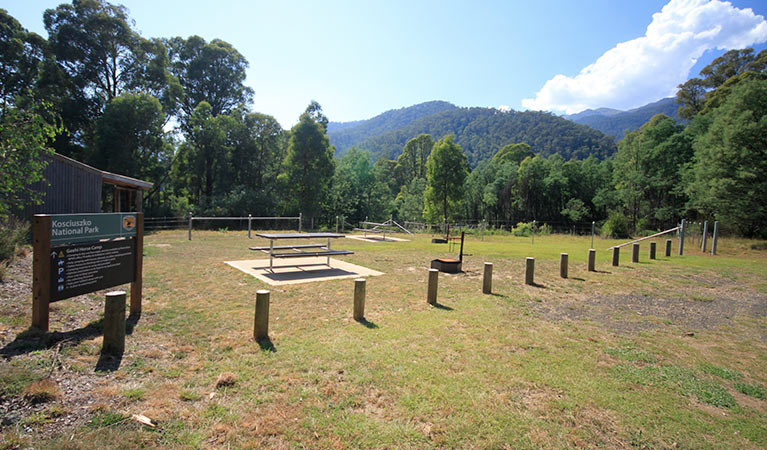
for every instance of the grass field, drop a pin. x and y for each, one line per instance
(670, 353)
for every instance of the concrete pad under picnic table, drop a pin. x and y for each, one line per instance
(301, 270)
(375, 238)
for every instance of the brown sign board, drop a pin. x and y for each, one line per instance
(91, 252)
(82, 268)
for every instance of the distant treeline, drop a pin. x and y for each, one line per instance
(97, 91)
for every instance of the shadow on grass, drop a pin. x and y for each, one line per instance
(108, 362)
(443, 307)
(538, 285)
(267, 345)
(601, 271)
(364, 322)
(577, 279)
(499, 295)
(33, 339)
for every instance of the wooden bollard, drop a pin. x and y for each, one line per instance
(652, 250)
(114, 323)
(616, 256)
(668, 248)
(431, 290)
(487, 278)
(261, 322)
(563, 265)
(530, 270)
(635, 253)
(359, 299)
(592, 260)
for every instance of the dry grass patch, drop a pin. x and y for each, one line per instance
(41, 391)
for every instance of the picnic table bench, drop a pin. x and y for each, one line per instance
(299, 250)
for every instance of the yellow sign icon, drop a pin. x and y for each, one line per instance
(129, 222)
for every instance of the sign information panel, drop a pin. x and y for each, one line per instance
(71, 228)
(81, 268)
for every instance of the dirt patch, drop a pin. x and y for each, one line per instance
(723, 304)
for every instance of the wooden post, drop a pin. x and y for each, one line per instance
(136, 285)
(713, 238)
(487, 279)
(592, 260)
(652, 250)
(530, 270)
(563, 265)
(41, 271)
(668, 248)
(593, 223)
(616, 256)
(359, 299)
(431, 290)
(336, 224)
(681, 238)
(635, 253)
(705, 235)
(190, 225)
(261, 323)
(114, 323)
(250, 218)
(300, 219)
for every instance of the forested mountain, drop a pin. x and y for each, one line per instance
(481, 132)
(616, 123)
(347, 134)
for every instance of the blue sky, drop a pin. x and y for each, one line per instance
(361, 58)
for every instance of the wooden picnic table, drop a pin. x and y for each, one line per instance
(299, 250)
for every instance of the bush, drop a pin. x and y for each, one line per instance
(616, 226)
(522, 229)
(13, 234)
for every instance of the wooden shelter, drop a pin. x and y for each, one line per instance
(71, 187)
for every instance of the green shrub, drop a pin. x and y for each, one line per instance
(13, 233)
(616, 226)
(522, 229)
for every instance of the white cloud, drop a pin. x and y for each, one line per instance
(648, 68)
(503, 108)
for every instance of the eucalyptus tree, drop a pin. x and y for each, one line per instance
(446, 170)
(308, 167)
(21, 54)
(212, 72)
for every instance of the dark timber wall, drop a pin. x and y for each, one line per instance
(70, 188)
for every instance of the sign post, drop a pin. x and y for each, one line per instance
(75, 254)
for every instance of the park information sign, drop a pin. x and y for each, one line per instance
(72, 228)
(75, 254)
(81, 268)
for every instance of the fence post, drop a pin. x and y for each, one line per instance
(616, 256)
(487, 278)
(114, 323)
(533, 233)
(652, 250)
(431, 290)
(359, 299)
(681, 238)
(190, 225)
(635, 253)
(563, 265)
(336, 224)
(261, 322)
(592, 260)
(593, 223)
(713, 238)
(705, 235)
(300, 216)
(668, 248)
(250, 217)
(530, 270)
